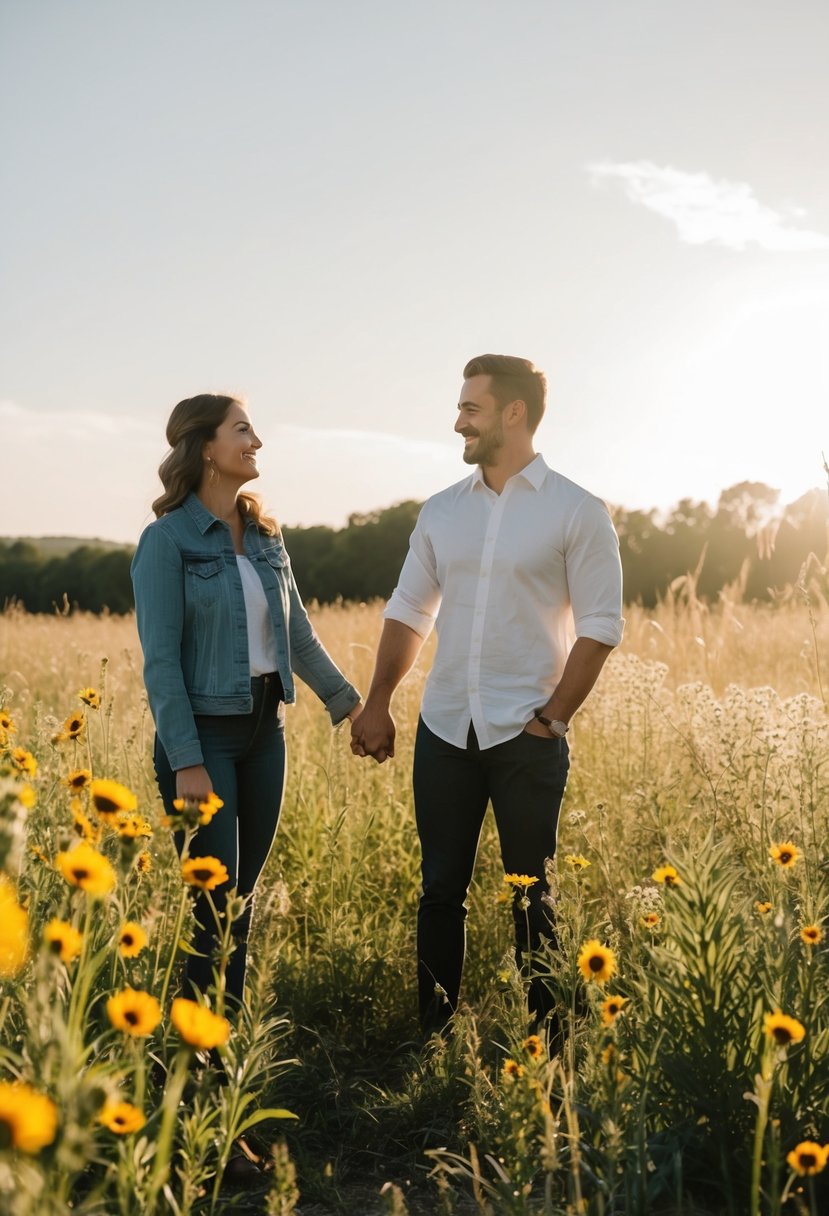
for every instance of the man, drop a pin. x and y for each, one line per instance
(508, 564)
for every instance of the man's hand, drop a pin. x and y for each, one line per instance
(534, 727)
(193, 784)
(372, 732)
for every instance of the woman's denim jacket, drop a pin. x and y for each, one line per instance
(190, 609)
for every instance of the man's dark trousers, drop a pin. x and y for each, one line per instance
(525, 779)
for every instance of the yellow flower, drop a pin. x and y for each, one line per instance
(650, 920)
(808, 1158)
(136, 1013)
(73, 728)
(785, 854)
(110, 798)
(762, 906)
(122, 1118)
(503, 897)
(7, 723)
(783, 1029)
(204, 872)
(26, 796)
(609, 1054)
(512, 1069)
(612, 1007)
(86, 868)
(577, 861)
(197, 1025)
(811, 935)
(144, 863)
(90, 697)
(63, 938)
(667, 875)
(133, 827)
(28, 1119)
(78, 779)
(596, 962)
(131, 940)
(193, 812)
(520, 880)
(84, 825)
(209, 807)
(533, 1046)
(23, 760)
(14, 931)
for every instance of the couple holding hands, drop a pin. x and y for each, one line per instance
(518, 570)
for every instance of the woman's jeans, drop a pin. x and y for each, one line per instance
(525, 779)
(244, 755)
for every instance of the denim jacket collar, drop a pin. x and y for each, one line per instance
(202, 518)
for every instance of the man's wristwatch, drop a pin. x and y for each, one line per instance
(559, 729)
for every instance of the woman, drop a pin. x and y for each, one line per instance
(223, 629)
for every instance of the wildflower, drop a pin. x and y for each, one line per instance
(73, 728)
(90, 697)
(84, 826)
(194, 812)
(512, 1070)
(808, 1158)
(136, 1013)
(503, 975)
(7, 723)
(762, 906)
(144, 863)
(667, 875)
(209, 807)
(131, 939)
(134, 827)
(609, 1054)
(811, 935)
(78, 779)
(14, 932)
(26, 796)
(533, 1046)
(785, 854)
(85, 867)
(122, 1118)
(28, 1119)
(650, 920)
(23, 761)
(63, 939)
(596, 962)
(783, 1029)
(197, 1025)
(520, 880)
(576, 861)
(612, 1007)
(204, 872)
(110, 798)
(503, 897)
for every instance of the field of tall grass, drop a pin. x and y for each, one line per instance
(692, 891)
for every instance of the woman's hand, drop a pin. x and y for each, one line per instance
(193, 784)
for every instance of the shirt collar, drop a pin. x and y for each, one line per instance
(533, 473)
(202, 518)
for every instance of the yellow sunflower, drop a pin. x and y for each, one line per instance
(762, 907)
(577, 861)
(133, 827)
(90, 697)
(144, 863)
(808, 1158)
(668, 875)
(136, 1013)
(650, 920)
(63, 939)
(131, 939)
(811, 935)
(782, 1029)
(23, 761)
(512, 1070)
(73, 728)
(28, 1119)
(521, 881)
(26, 796)
(84, 826)
(533, 1046)
(197, 1025)
(110, 798)
(78, 779)
(122, 1118)
(784, 854)
(7, 723)
(85, 867)
(612, 1007)
(204, 872)
(14, 931)
(596, 962)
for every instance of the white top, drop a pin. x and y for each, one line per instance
(509, 580)
(261, 636)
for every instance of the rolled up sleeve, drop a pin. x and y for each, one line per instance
(416, 598)
(594, 574)
(159, 609)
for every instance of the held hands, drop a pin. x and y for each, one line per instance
(372, 732)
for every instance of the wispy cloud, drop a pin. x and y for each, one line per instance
(707, 211)
(70, 423)
(372, 441)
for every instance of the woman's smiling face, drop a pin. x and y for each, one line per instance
(231, 453)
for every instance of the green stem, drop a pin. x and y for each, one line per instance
(164, 1145)
(763, 1093)
(182, 904)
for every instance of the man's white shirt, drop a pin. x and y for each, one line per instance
(509, 581)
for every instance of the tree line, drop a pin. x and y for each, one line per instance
(748, 539)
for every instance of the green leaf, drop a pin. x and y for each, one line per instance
(268, 1112)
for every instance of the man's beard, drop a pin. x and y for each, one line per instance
(484, 448)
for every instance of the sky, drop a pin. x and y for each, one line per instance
(329, 206)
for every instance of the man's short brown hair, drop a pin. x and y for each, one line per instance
(513, 379)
